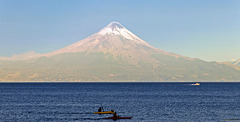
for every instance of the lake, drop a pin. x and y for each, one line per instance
(177, 102)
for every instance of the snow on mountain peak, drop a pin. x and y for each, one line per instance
(117, 29)
(114, 25)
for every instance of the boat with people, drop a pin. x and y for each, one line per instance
(114, 117)
(101, 111)
(104, 112)
(118, 117)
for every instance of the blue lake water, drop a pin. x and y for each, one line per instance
(164, 102)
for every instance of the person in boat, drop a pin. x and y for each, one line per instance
(100, 109)
(115, 114)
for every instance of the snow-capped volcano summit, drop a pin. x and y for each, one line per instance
(115, 28)
(114, 25)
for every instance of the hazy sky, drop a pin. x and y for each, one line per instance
(205, 29)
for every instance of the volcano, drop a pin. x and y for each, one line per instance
(112, 54)
(114, 39)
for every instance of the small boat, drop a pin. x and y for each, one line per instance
(104, 112)
(196, 84)
(118, 117)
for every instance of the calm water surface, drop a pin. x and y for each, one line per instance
(164, 102)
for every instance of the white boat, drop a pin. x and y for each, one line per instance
(196, 84)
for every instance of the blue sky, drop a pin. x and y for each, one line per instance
(205, 29)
